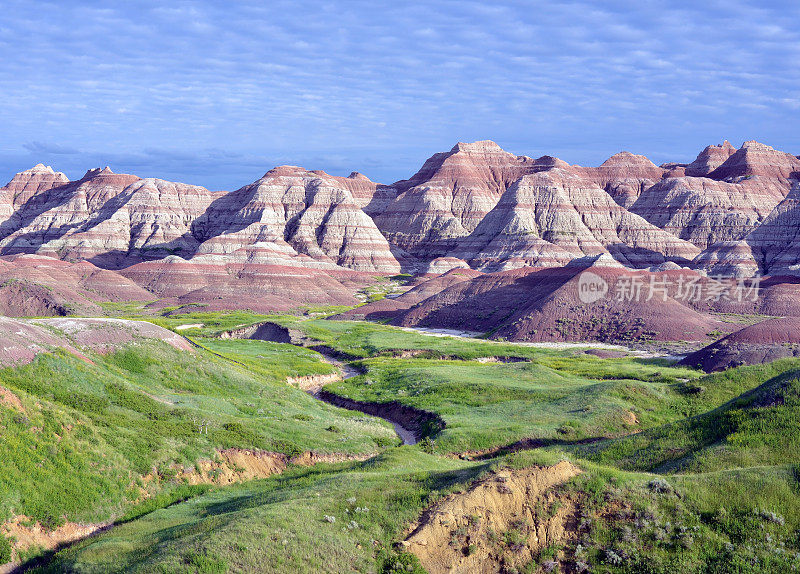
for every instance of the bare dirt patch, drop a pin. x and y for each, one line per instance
(234, 465)
(11, 400)
(500, 523)
(29, 534)
(313, 384)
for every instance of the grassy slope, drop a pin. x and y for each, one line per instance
(757, 428)
(90, 430)
(279, 524)
(743, 521)
(726, 521)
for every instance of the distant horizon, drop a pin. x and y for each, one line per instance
(213, 93)
(75, 175)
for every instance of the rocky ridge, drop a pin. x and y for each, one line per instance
(477, 206)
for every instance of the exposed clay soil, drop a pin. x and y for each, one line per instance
(313, 384)
(544, 305)
(464, 533)
(760, 343)
(11, 400)
(28, 534)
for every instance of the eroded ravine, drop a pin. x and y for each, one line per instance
(374, 409)
(407, 421)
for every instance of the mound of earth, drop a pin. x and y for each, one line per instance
(760, 343)
(37, 286)
(217, 283)
(106, 335)
(390, 307)
(597, 302)
(23, 339)
(463, 533)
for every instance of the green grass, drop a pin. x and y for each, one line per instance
(492, 405)
(759, 427)
(279, 524)
(727, 498)
(90, 430)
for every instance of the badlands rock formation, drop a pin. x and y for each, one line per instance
(772, 247)
(297, 237)
(760, 343)
(449, 196)
(26, 184)
(110, 219)
(550, 218)
(704, 211)
(755, 159)
(296, 216)
(624, 176)
(710, 159)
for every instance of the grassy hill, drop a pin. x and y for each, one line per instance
(680, 471)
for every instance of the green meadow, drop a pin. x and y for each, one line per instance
(701, 470)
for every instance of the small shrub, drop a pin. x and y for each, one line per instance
(660, 486)
(206, 562)
(404, 562)
(426, 445)
(612, 558)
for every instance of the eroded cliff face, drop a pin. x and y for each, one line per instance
(772, 247)
(550, 218)
(107, 218)
(449, 196)
(298, 213)
(475, 205)
(704, 211)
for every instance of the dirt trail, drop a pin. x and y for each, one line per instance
(499, 524)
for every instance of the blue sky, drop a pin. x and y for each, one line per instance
(216, 93)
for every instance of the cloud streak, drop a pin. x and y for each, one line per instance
(341, 82)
